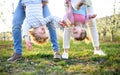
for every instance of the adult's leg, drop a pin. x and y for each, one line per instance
(94, 34)
(18, 18)
(52, 31)
(66, 42)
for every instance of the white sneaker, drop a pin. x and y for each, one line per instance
(65, 55)
(99, 52)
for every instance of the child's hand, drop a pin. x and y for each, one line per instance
(62, 23)
(28, 42)
(29, 45)
(93, 16)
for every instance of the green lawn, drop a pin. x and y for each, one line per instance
(81, 60)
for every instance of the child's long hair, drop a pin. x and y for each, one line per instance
(38, 40)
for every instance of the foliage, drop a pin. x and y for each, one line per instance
(6, 36)
(109, 25)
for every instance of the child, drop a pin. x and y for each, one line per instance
(34, 19)
(78, 20)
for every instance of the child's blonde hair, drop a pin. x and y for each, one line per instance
(37, 39)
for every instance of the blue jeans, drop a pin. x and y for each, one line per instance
(18, 19)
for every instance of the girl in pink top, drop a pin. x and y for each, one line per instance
(78, 14)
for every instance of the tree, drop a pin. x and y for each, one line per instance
(114, 23)
(6, 12)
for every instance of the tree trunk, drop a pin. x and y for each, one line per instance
(112, 36)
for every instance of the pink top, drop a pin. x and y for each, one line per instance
(73, 17)
(79, 18)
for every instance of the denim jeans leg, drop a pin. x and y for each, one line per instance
(52, 30)
(18, 18)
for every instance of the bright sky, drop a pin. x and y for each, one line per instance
(101, 8)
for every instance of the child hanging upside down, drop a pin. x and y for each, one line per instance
(34, 20)
(77, 18)
(78, 13)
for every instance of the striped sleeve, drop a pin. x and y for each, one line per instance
(25, 28)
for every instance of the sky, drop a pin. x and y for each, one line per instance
(101, 8)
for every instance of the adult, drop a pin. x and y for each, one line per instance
(92, 28)
(18, 18)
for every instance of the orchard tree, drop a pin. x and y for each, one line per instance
(113, 24)
(6, 12)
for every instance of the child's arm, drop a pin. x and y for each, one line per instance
(25, 34)
(28, 42)
(65, 23)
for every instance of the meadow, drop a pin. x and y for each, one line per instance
(39, 61)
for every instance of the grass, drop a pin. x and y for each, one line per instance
(81, 60)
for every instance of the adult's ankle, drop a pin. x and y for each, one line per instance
(96, 48)
(66, 50)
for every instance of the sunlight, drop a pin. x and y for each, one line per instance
(57, 9)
